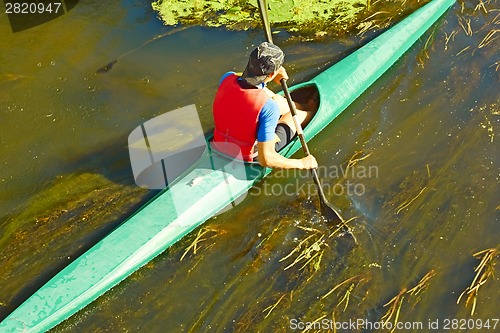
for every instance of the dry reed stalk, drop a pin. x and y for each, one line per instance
(344, 224)
(463, 50)
(197, 241)
(496, 20)
(428, 42)
(421, 287)
(396, 302)
(394, 310)
(308, 327)
(338, 286)
(312, 253)
(484, 270)
(296, 249)
(308, 229)
(465, 24)
(309, 253)
(481, 5)
(448, 37)
(355, 159)
(272, 307)
(375, 14)
(408, 203)
(265, 239)
(346, 296)
(369, 22)
(488, 38)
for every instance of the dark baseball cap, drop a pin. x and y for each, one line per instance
(264, 59)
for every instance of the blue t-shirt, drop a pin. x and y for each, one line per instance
(268, 116)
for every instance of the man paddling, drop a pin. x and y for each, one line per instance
(253, 122)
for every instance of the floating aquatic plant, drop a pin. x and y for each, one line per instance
(315, 17)
(238, 13)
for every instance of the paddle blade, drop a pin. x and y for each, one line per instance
(329, 212)
(332, 215)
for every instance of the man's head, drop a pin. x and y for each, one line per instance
(265, 60)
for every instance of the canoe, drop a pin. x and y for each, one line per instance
(210, 185)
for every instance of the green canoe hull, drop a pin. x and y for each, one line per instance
(212, 184)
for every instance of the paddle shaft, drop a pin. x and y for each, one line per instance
(265, 20)
(291, 104)
(302, 139)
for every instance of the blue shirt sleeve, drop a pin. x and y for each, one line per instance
(268, 119)
(224, 76)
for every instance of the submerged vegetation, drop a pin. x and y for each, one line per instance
(314, 17)
(82, 208)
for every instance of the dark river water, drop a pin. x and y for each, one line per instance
(422, 187)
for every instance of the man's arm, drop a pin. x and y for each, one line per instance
(268, 157)
(280, 100)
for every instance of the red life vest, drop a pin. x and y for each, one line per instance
(236, 113)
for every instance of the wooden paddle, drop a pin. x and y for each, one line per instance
(327, 209)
